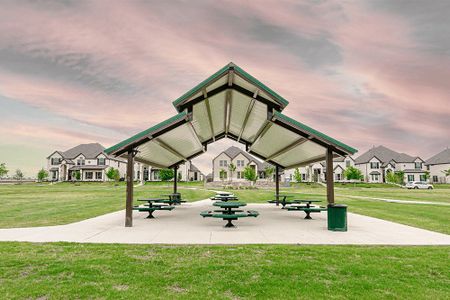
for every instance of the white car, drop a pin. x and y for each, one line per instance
(418, 185)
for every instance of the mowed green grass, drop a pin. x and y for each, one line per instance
(432, 217)
(29, 205)
(40, 205)
(111, 271)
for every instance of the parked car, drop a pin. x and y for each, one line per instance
(418, 185)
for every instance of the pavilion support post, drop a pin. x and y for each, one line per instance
(130, 177)
(175, 179)
(277, 184)
(330, 178)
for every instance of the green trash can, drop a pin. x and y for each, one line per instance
(337, 217)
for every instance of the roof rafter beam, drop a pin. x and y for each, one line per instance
(262, 131)
(227, 118)
(287, 148)
(208, 110)
(307, 162)
(194, 132)
(170, 149)
(247, 115)
(148, 162)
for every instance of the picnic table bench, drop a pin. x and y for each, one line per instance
(308, 209)
(174, 198)
(283, 199)
(229, 212)
(152, 205)
(224, 198)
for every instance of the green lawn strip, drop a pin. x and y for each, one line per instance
(111, 271)
(44, 205)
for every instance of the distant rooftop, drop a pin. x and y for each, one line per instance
(385, 155)
(442, 157)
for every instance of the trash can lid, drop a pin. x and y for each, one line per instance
(337, 205)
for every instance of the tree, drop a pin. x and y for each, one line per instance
(18, 176)
(166, 174)
(3, 170)
(400, 177)
(391, 177)
(268, 171)
(352, 173)
(113, 174)
(297, 175)
(426, 175)
(250, 174)
(231, 168)
(42, 175)
(77, 175)
(222, 174)
(446, 172)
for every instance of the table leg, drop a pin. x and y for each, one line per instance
(308, 217)
(150, 214)
(229, 224)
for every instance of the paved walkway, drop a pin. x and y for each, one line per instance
(184, 225)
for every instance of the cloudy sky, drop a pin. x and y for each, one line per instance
(364, 72)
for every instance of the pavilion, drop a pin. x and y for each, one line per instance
(231, 103)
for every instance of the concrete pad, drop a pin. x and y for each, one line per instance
(184, 225)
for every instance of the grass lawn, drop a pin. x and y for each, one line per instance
(38, 205)
(110, 271)
(29, 205)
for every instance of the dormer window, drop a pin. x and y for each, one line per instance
(347, 163)
(80, 162)
(101, 161)
(418, 165)
(223, 163)
(374, 165)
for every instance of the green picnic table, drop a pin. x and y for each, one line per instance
(283, 199)
(229, 212)
(308, 209)
(225, 198)
(174, 198)
(152, 205)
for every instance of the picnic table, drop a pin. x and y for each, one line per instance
(225, 198)
(229, 212)
(308, 209)
(152, 205)
(283, 199)
(174, 198)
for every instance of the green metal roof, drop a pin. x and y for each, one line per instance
(148, 131)
(315, 132)
(230, 67)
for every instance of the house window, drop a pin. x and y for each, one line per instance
(435, 178)
(223, 175)
(303, 177)
(418, 165)
(423, 178)
(223, 163)
(80, 162)
(338, 176)
(375, 177)
(239, 175)
(98, 175)
(88, 175)
(101, 161)
(410, 177)
(56, 161)
(374, 165)
(240, 163)
(262, 175)
(347, 163)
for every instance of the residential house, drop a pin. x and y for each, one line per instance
(88, 159)
(377, 162)
(240, 159)
(92, 163)
(317, 172)
(437, 165)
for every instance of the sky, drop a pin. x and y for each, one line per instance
(364, 72)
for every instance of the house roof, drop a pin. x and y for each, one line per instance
(414, 171)
(91, 150)
(442, 157)
(375, 173)
(385, 155)
(234, 151)
(75, 168)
